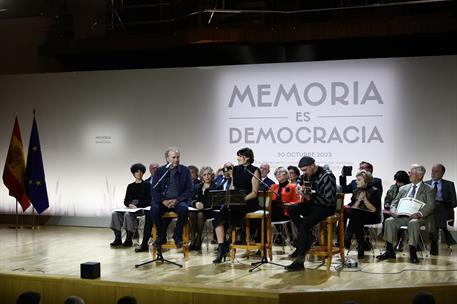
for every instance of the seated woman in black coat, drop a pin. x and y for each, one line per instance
(202, 204)
(365, 208)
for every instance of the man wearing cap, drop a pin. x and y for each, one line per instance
(318, 204)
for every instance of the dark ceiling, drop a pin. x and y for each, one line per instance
(94, 35)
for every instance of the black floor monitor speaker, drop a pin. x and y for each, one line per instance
(90, 270)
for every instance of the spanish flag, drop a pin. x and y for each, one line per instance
(14, 173)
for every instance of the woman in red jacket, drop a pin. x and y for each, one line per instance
(287, 195)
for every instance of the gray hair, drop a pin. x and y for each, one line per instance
(74, 300)
(419, 168)
(366, 175)
(169, 150)
(205, 168)
(281, 169)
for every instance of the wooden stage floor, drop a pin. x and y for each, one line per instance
(50, 257)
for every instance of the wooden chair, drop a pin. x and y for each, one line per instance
(264, 202)
(326, 249)
(170, 244)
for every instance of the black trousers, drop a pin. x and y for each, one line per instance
(305, 216)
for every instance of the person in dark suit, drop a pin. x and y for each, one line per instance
(267, 182)
(377, 182)
(195, 179)
(345, 188)
(445, 201)
(418, 190)
(173, 193)
(152, 170)
(224, 181)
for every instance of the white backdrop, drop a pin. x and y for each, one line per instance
(94, 125)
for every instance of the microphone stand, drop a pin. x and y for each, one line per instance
(264, 259)
(160, 257)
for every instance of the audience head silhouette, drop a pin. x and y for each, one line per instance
(423, 298)
(74, 300)
(29, 297)
(127, 300)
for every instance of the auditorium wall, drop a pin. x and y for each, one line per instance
(93, 125)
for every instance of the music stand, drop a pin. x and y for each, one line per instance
(227, 197)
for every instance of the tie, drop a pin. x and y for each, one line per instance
(435, 186)
(413, 193)
(227, 184)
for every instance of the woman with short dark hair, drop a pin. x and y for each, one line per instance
(138, 195)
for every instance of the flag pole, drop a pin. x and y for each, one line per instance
(33, 218)
(17, 216)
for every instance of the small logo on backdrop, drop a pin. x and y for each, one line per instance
(103, 139)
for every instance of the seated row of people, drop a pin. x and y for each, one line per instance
(177, 188)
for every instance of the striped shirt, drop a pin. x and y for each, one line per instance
(324, 183)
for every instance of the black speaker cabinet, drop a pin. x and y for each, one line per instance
(90, 270)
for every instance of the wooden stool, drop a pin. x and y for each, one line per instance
(170, 244)
(326, 249)
(264, 202)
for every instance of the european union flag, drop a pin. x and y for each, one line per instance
(36, 185)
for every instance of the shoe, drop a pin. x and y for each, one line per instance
(116, 243)
(434, 248)
(295, 266)
(367, 245)
(294, 254)
(198, 247)
(413, 255)
(141, 248)
(360, 252)
(159, 242)
(221, 253)
(127, 243)
(388, 255)
(128, 240)
(178, 243)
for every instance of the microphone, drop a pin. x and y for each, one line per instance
(167, 166)
(245, 169)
